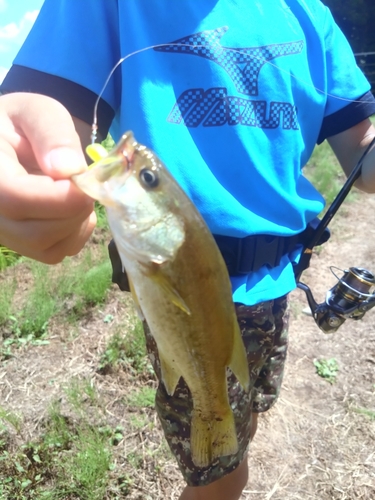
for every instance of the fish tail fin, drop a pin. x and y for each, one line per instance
(211, 439)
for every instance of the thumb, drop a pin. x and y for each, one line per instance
(49, 129)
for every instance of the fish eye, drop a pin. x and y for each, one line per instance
(148, 177)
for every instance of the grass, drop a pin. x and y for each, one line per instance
(367, 413)
(7, 257)
(70, 289)
(126, 350)
(324, 172)
(6, 297)
(327, 369)
(101, 216)
(142, 398)
(76, 452)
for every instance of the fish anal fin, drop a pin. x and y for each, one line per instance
(169, 375)
(213, 438)
(172, 294)
(238, 363)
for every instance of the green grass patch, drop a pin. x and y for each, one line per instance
(101, 216)
(142, 398)
(367, 413)
(7, 257)
(108, 143)
(7, 291)
(71, 289)
(85, 284)
(325, 173)
(127, 350)
(40, 305)
(72, 458)
(327, 369)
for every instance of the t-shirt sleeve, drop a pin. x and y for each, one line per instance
(348, 97)
(69, 54)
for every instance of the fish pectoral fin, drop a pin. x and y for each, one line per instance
(171, 292)
(238, 363)
(169, 375)
(212, 438)
(135, 299)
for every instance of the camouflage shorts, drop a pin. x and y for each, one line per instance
(264, 332)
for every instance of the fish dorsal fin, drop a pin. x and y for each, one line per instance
(238, 363)
(157, 276)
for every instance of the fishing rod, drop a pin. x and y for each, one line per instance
(354, 293)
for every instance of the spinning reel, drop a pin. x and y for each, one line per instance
(354, 293)
(351, 297)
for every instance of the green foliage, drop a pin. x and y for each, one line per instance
(28, 324)
(80, 391)
(7, 292)
(128, 350)
(324, 172)
(95, 284)
(142, 398)
(7, 257)
(327, 369)
(82, 285)
(40, 305)
(76, 453)
(367, 413)
(108, 143)
(101, 216)
(10, 418)
(86, 284)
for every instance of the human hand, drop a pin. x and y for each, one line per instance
(43, 215)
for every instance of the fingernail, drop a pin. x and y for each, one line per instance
(64, 162)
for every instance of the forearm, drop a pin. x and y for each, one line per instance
(349, 146)
(367, 179)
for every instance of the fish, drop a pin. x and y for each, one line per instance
(179, 283)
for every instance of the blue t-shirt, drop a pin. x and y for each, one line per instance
(233, 97)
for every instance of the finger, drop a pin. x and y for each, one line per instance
(49, 129)
(73, 243)
(25, 197)
(37, 238)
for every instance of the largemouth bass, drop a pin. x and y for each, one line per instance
(180, 284)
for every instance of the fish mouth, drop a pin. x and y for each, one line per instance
(88, 183)
(96, 182)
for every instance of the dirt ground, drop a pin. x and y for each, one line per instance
(316, 443)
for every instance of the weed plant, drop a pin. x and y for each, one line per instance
(142, 398)
(108, 143)
(101, 216)
(83, 284)
(127, 348)
(40, 306)
(7, 257)
(7, 292)
(327, 369)
(74, 451)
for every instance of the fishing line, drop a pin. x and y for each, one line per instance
(94, 126)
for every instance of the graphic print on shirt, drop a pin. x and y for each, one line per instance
(214, 107)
